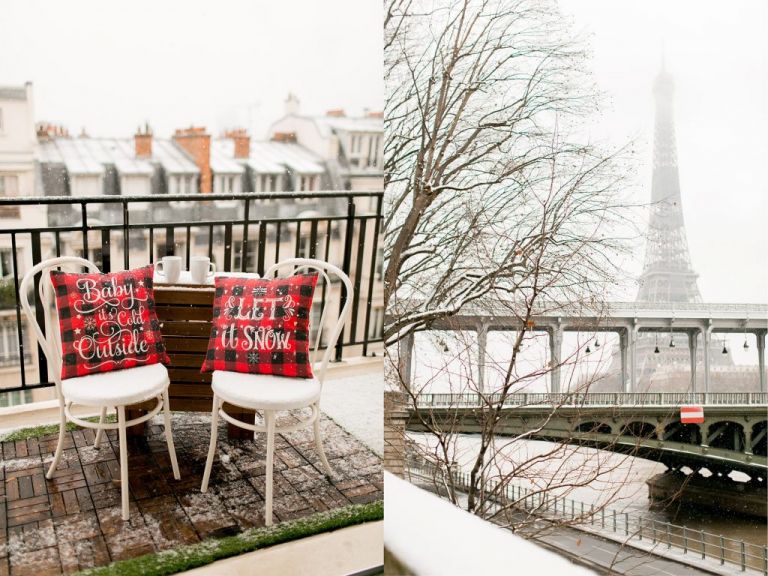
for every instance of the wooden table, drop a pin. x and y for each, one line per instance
(185, 313)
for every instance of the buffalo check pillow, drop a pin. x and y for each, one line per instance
(261, 326)
(107, 321)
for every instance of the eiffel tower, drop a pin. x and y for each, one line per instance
(667, 273)
(663, 361)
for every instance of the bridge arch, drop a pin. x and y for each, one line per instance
(639, 429)
(728, 435)
(684, 433)
(593, 427)
(759, 437)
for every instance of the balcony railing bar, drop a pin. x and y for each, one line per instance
(372, 274)
(154, 226)
(14, 257)
(84, 200)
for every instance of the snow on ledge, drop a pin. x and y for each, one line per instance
(429, 535)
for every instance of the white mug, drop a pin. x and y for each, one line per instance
(202, 269)
(169, 268)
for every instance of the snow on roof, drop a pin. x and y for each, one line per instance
(172, 158)
(222, 162)
(89, 155)
(78, 157)
(269, 157)
(330, 124)
(430, 535)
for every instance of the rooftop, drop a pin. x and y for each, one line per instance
(13, 92)
(90, 155)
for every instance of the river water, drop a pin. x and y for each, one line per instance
(597, 477)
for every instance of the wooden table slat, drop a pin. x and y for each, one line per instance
(179, 344)
(183, 328)
(176, 297)
(204, 313)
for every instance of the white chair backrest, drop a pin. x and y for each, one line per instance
(50, 341)
(302, 265)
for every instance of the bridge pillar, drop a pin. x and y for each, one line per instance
(404, 360)
(761, 357)
(706, 341)
(555, 356)
(482, 345)
(623, 338)
(693, 343)
(633, 356)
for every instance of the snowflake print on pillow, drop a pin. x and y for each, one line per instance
(261, 326)
(107, 321)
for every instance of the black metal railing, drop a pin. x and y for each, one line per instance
(250, 230)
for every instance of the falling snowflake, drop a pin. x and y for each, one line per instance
(253, 358)
(259, 291)
(90, 323)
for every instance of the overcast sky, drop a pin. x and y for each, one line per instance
(109, 66)
(718, 54)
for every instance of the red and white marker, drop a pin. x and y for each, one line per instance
(691, 414)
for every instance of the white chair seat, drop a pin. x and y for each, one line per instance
(264, 391)
(118, 387)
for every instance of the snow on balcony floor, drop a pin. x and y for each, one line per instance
(73, 521)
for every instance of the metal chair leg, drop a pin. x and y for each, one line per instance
(100, 431)
(60, 444)
(169, 434)
(123, 460)
(212, 445)
(269, 417)
(319, 442)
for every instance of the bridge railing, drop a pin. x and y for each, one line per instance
(616, 524)
(472, 400)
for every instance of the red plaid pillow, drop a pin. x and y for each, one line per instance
(107, 321)
(261, 326)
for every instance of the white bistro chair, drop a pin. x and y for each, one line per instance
(118, 389)
(271, 394)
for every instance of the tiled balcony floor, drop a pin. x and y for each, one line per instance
(73, 521)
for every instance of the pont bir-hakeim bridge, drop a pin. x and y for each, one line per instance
(730, 437)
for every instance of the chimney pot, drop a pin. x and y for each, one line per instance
(291, 105)
(142, 142)
(242, 142)
(284, 137)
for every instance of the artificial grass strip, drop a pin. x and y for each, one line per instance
(202, 553)
(47, 430)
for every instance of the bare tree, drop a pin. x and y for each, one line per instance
(487, 179)
(497, 202)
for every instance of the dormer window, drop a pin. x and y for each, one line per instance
(86, 185)
(181, 184)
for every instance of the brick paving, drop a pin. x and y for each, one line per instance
(73, 521)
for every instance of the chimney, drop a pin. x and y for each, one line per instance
(142, 141)
(197, 142)
(375, 115)
(338, 113)
(46, 131)
(242, 142)
(291, 105)
(284, 137)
